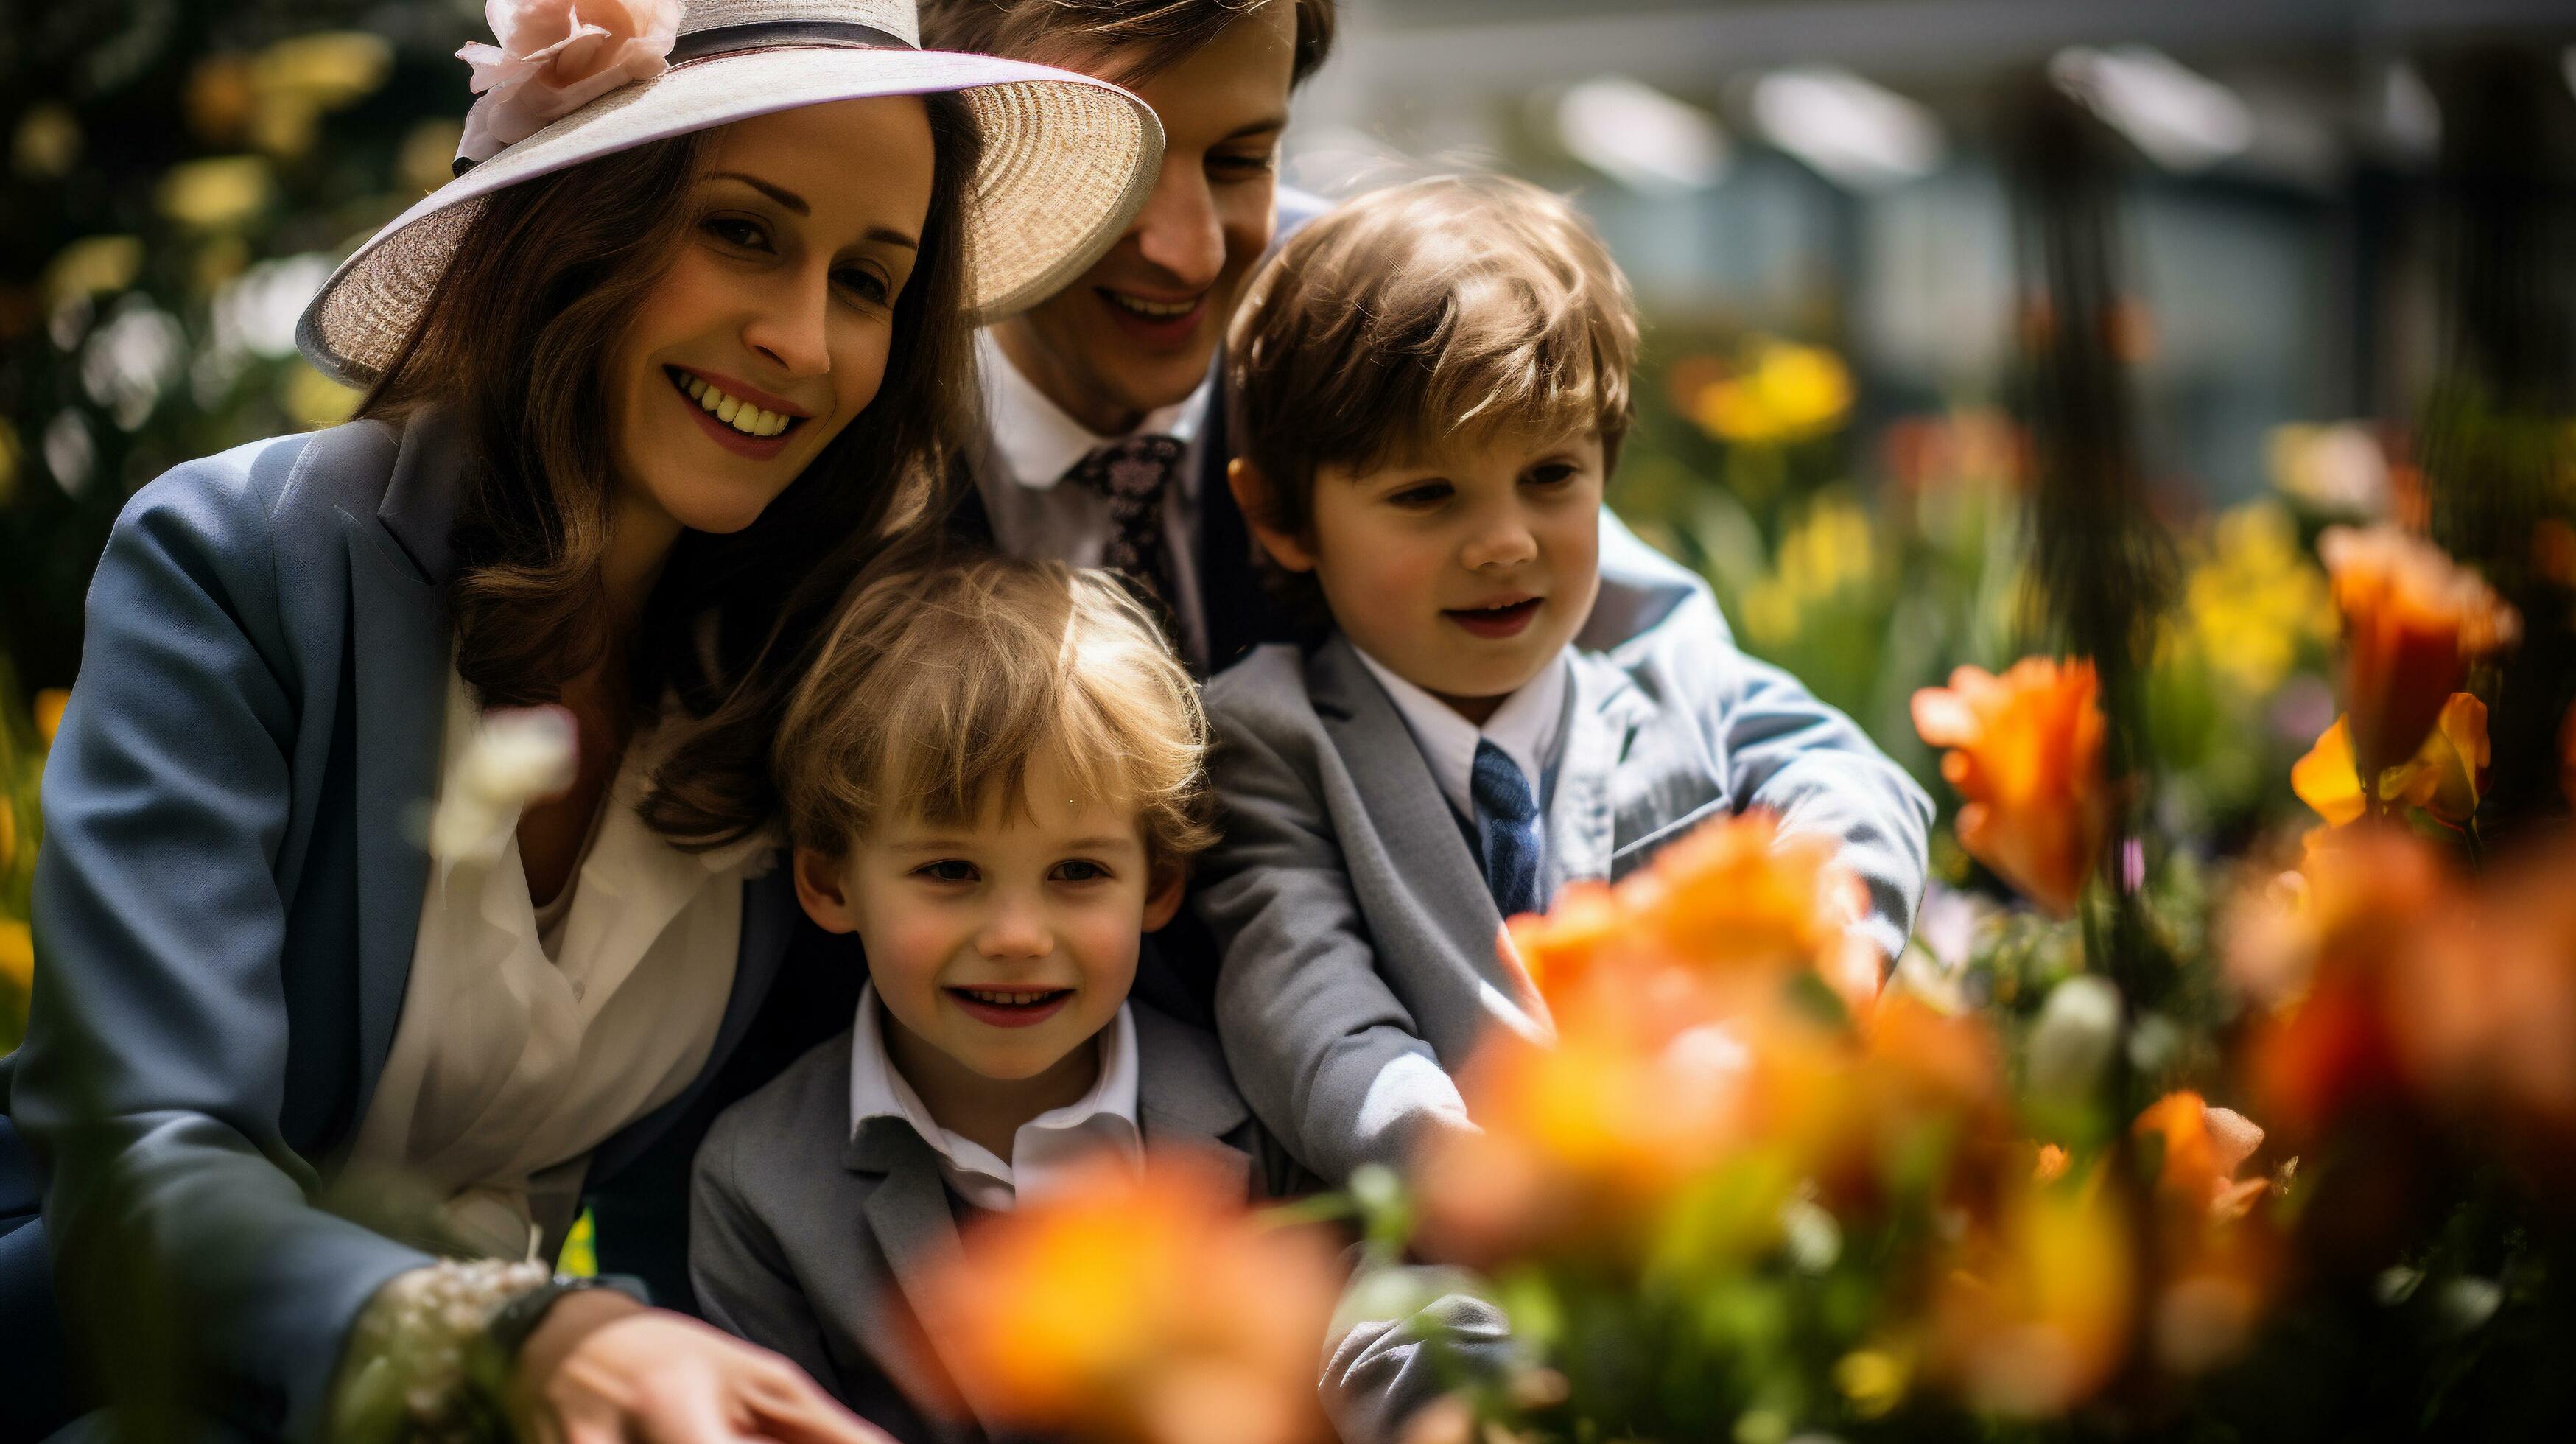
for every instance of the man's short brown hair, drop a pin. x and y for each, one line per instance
(1450, 308)
(1126, 41)
(943, 677)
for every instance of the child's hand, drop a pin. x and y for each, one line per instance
(602, 1369)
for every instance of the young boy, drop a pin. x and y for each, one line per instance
(1431, 385)
(993, 776)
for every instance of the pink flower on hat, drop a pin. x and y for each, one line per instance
(556, 56)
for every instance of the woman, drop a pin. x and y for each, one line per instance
(648, 380)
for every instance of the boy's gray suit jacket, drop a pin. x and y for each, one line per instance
(226, 907)
(816, 1243)
(1357, 932)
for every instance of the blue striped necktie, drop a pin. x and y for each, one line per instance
(1507, 826)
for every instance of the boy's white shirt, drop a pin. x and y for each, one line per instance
(1042, 1151)
(1529, 727)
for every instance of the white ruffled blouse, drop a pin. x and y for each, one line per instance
(528, 1037)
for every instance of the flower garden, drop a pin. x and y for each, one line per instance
(2226, 1090)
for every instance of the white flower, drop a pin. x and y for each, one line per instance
(519, 756)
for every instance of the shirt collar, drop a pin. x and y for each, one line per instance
(879, 1090)
(1528, 727)
(1037, 442)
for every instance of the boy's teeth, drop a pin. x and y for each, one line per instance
(1009, 997)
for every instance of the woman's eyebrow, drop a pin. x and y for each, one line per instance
(885, 235)
(784, 197)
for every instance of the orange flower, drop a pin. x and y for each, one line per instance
(2445, 777)
(2027, 758)
(2413, 620)
(2327, 778)
(1733, 903)
(2484, 1009)
(2317, 947)
(2203, 1148)
(2448, 774)
(2035, 1317)
(1146, 1309)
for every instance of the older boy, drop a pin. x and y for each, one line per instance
(1431, 385)
(991, 776)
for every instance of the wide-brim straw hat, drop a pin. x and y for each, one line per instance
(1067, 159)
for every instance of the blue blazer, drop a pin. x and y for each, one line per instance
(226, 906)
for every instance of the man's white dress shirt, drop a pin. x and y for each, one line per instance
(1034, 443)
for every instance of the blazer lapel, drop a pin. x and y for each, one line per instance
(1423, 851)
(1599, 724)
(399, 641)
(1186, 1099)
(908, 1211)
(769, 916)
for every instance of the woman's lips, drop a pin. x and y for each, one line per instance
(758, 448)
(1507, 620)
(1010, 1015)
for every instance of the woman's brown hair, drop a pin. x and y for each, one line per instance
(508, 349)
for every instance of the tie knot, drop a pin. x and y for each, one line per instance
(1501, 792)
(1134, 469)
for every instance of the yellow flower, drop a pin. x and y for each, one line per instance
(17, 955)
(93, 265)
(2254, 603)
(2448, 774)
(49, 712)
(2026, 755)
(2326, 779)
(314, 399)
(2036, 1318)
(215, 194)
(1787, 392)
(2445, 777)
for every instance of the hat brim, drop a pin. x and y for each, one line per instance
(1068, 161)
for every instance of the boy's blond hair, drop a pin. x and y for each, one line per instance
(1447, 309)
(936, 685)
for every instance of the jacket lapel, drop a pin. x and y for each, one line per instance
(769, 915)
(1422, 851)
(1600, 722)
(1186, 1099)
(908, 1212)
(399, 642)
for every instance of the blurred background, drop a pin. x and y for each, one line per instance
(1843, 219)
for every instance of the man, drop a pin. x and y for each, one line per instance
(1107, 440)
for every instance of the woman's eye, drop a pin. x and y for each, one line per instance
(1077, 870)
(867, 285)
(1239, 166)
(736, 231)
(948, 869)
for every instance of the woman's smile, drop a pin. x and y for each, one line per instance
(734, 416)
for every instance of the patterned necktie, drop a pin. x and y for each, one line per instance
(1507, 825)
(1133, 476)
